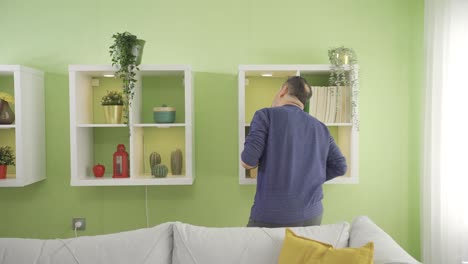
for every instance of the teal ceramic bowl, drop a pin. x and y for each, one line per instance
(164, 114)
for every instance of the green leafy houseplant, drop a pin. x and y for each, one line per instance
(344, 72)
(126, 53)
(7, 156)
(112, 98)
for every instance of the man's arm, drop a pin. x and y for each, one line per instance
(255, 140)
(336, 162)
(247, 166)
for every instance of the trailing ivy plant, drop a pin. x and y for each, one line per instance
(7, 156)
(344, 72)
(125, 59)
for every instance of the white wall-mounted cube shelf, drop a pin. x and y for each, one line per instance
(257, 86)
(27, 134)
(93, 141)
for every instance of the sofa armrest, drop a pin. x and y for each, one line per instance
(386, 250)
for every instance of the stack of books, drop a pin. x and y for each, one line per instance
(331, 104)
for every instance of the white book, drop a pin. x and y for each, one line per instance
(331, 104)
(343, 104)
(339, 102)
(346, 105)
(327, 111)
(322, 103)
(313, 102)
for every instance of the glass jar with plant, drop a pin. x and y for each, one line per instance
(344, 72)
(112, 103)
(7, 157)
(7, 116)
(126, 54)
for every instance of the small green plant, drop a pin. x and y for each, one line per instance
(7, 156)
(112, 98)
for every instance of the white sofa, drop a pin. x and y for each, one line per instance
(179, 243)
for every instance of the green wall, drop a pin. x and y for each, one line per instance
(215, 37)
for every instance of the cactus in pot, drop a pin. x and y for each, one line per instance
(154, 159)
(176, 162)
(159, 171)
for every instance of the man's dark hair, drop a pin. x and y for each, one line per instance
(298, 87)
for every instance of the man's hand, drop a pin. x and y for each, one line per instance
(247, 166)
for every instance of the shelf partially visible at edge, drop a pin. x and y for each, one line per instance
(145, 180)
(327, 124)
(160, 125)
(7, 126)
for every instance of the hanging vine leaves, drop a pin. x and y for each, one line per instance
(339, 58)
(125, 60)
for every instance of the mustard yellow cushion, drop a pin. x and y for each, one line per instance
(297, 249)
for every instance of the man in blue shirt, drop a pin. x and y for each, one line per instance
(295, 155)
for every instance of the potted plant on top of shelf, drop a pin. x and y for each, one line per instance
(340, 58)
(113, 103)
(7, 157)
(7, 116)
(126, 54)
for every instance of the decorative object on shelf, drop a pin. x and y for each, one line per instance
(339, 57)
(176, 162)
(99, 170)
(7, 116)
(164, 114)
(112, 103)
(126, 54)
(252, 173)
(120, 162)
(7, 157)
(159, 171)
(154, 159)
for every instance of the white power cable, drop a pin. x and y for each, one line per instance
(77, 225)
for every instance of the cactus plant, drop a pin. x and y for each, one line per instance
(159, 171)
(154, 159)
(176, 162)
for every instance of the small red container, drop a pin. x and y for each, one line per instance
(120, 162)
(3, 171)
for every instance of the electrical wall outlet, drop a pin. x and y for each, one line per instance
(79, 223)
(94, 82)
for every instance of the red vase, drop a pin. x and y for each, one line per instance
(3, 171)
(120, 162)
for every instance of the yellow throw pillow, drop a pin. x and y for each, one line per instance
(301, 250)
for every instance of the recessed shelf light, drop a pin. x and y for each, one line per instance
(267, 74)
(109, 75)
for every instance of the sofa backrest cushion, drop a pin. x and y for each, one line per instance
(386, 250)
(239, 245)
(143, 246)
(19, 250)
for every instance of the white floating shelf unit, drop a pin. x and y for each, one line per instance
(26, 135)
(94, 142)
(258, 85)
